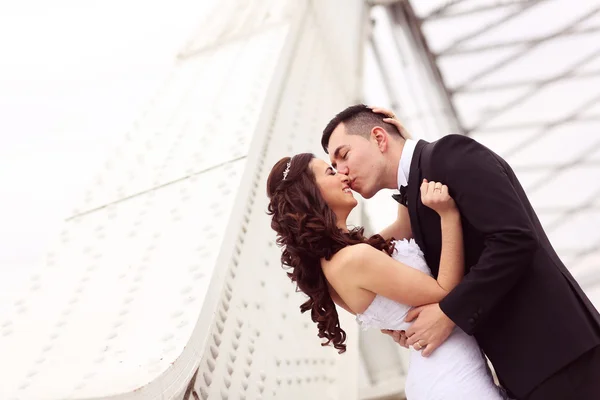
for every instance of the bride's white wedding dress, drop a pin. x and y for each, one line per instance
(457, 370)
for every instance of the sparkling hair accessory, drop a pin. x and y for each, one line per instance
(287, 169)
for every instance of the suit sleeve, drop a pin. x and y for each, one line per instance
(487, 199)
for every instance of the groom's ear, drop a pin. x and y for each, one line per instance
(381, 138)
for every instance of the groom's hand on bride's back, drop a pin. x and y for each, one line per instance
(398, 336)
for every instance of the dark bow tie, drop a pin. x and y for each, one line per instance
(402, 198)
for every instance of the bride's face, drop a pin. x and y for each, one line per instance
(334, 187)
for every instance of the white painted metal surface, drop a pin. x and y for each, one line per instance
(166, 271)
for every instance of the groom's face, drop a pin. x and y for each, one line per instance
(357, 157)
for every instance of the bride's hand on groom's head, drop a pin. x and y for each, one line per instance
(383, 111)
(390, 118)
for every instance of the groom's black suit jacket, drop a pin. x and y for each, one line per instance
(517, 298)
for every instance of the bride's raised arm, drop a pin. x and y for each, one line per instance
(452, 259)
(379, 273)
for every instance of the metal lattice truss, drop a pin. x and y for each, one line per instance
(523, 77)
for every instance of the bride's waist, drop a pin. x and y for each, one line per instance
(458, 348)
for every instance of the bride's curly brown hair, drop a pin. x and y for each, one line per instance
(307, 232)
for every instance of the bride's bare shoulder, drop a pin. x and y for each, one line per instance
(349, 256)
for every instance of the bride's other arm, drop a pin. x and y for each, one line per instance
(377, 272)
(432, 327)
(452, 259)
(400, 228)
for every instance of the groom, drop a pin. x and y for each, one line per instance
(528, 314)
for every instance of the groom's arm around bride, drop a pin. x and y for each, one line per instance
(517, 298)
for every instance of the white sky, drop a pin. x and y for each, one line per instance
(73, 77)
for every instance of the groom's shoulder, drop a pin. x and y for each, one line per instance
(453, 140)
(453, 150)
(453, 145)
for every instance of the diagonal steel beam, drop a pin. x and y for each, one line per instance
(517, 55)
(533, 125)
(552, 125)
(570, 212)
(576, 75)
(490, 26)
(515, 43)
(385, 74)
(403, 15)
(536, 89)
(560, 210)
(475, 10)
(443, 9)
(585, 252)
(546, 167)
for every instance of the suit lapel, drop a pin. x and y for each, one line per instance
(413, 195)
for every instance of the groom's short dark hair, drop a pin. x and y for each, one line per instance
(359, 120)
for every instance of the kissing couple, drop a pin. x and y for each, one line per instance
(464, 270)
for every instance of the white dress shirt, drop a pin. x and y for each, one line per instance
(405, 161)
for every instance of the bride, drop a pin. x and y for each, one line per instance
(378, 279)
